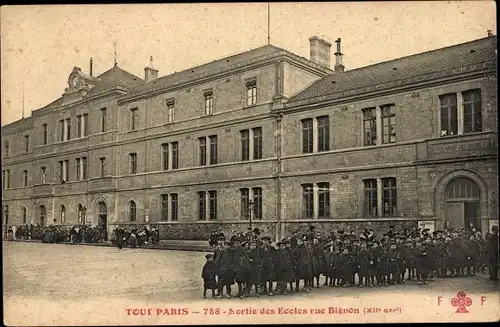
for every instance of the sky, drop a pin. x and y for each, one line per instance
(40, 45)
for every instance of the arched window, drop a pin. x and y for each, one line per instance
(23, 215)
(63, 214)
(43, 213)
(102, 208)
(462, 188)
(132, 211)
(81, 214)
(6, 214)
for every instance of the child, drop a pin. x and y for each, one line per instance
(472, 255)
(284, 270)
(329, 257)
(255, 264)
(346, 263)
(376, 254)
(319, 259)
(225, 267)
(208, 275)
(410, 259)
(393, 265)
(365, 260)
(421, 262)
(268, 273)
(302, 259)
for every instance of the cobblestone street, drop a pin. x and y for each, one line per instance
(66, 284)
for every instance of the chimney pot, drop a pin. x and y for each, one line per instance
(150, 73)
(91, 64)
(339, 65)
(320, 51)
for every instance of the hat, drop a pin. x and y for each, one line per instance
(285, 240)
(227, 242)
(256, 230)
(376, 242)
(369, 243)
(266, 238)
(393, 243)
(244, 243)
(312, 227)
(280, 243)
(210, 255)
(327, 245)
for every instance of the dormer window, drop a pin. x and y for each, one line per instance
(209, 96)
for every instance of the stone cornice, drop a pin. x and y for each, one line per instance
(419, 80)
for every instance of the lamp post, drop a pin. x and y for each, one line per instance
(250, 212)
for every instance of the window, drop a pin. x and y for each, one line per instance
(175, 155)
(307, 136)
(164, 156)
(257, 143)
(174, 207)
(79, 125)
(84, 168)
(132, 211)
(213, 149)
(85, 122)
(257, 202)
(133, 119)
(78, 169)
(212, 197)
(370, 126)
(68, 129)
(103, 119)
(61, 130)
(164, 207)
(473, 121)
(44, 134)
(133, 163)
(323, 133)
(209, 96)
(103, 167)
(245, 145)
(5, 179)
(202, 205)
(61, 171)
(371, 204)
(251, 92)
(81, 214)
(6, 147)
(448, 109)
(388, 124)
(25, 178)
(63, 214)
(23, 215)
(66, 170)
(26, 143)
(43, 214)
(43, 173)
(202, 141)
(307, 200)
(244, 200)
(389, 197)
(6, 214)
(170, 111)
(323, 200)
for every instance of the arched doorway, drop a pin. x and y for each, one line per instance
(463, 199)
(42, 215)
(103, 215)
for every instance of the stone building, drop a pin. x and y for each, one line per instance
(265, 135)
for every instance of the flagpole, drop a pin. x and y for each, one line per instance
(268, 23)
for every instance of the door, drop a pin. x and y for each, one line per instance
(455, 214)
(471, 212)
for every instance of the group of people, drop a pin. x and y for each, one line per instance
(345, 259)
(58, 233)
(135, 236)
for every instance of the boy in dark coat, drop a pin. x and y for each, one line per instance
(365, 260)
(329, 259)
(382, 263)
(393, 275)
(401, 249)
(319, 258)
(268, 273)
(302, 259)
(376, 255)
(225, 267)
(472, 255)
(284, 269)
(292, 260)
(421, 260)
(241, 268)
(208, 275)
(255, 265)
(346, 264)
(410, 260)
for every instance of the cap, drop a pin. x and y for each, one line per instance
(327, 245)
(244, 243)
(266, 238)
(210, 255)
(312, 227)
(256, 230)
(280, 243)
(227, 243)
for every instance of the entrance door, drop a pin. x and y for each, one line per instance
(43, 213)
(462, 204)
(472, 215)
(103, 216)
(455, 214)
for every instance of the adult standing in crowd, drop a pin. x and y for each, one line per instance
(492, 242)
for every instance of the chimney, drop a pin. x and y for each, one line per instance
(150, 73)
(339, 65)
(320, 51)
(91, 66)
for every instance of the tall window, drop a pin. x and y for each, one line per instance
(133, 163)
(307, 200)
(448, 109)
(202, 141)
(68, 129)
(209, 97)
(473, 121)
(132, 211)
(44, 134)
(26, 143)
(212, 198)
(80, 214)
(62, 171)
(202, 206)
(61, 130)
(174, 207)
(323, 200)
(257, 202)
(370, 126)
(388, 124)
(85, 122)
(251, 92)
(213, 149)
(43, 173)
(78, 169)
(84, 168)
(25, 178)
(175, 155)
(6, 147)
(79, 126)
(164, 156)
(66, 170)
(170, 111)
(244, 200)
(164, 207)
(4, 181)
(245, 145)
(103, 119)
(389, 199)
(133, 119)
(257, 143)
(307, 136)
(23, 215)
(323, 133)
(371, 205)
(6, 214)
(103, 167)
(62, 214)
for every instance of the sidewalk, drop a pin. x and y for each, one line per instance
(175, 245)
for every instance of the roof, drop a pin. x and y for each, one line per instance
(116, 77)
(473, 52)
(208, 67)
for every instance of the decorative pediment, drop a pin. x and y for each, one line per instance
(79, 81)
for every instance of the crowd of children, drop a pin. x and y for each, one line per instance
(259, 267)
